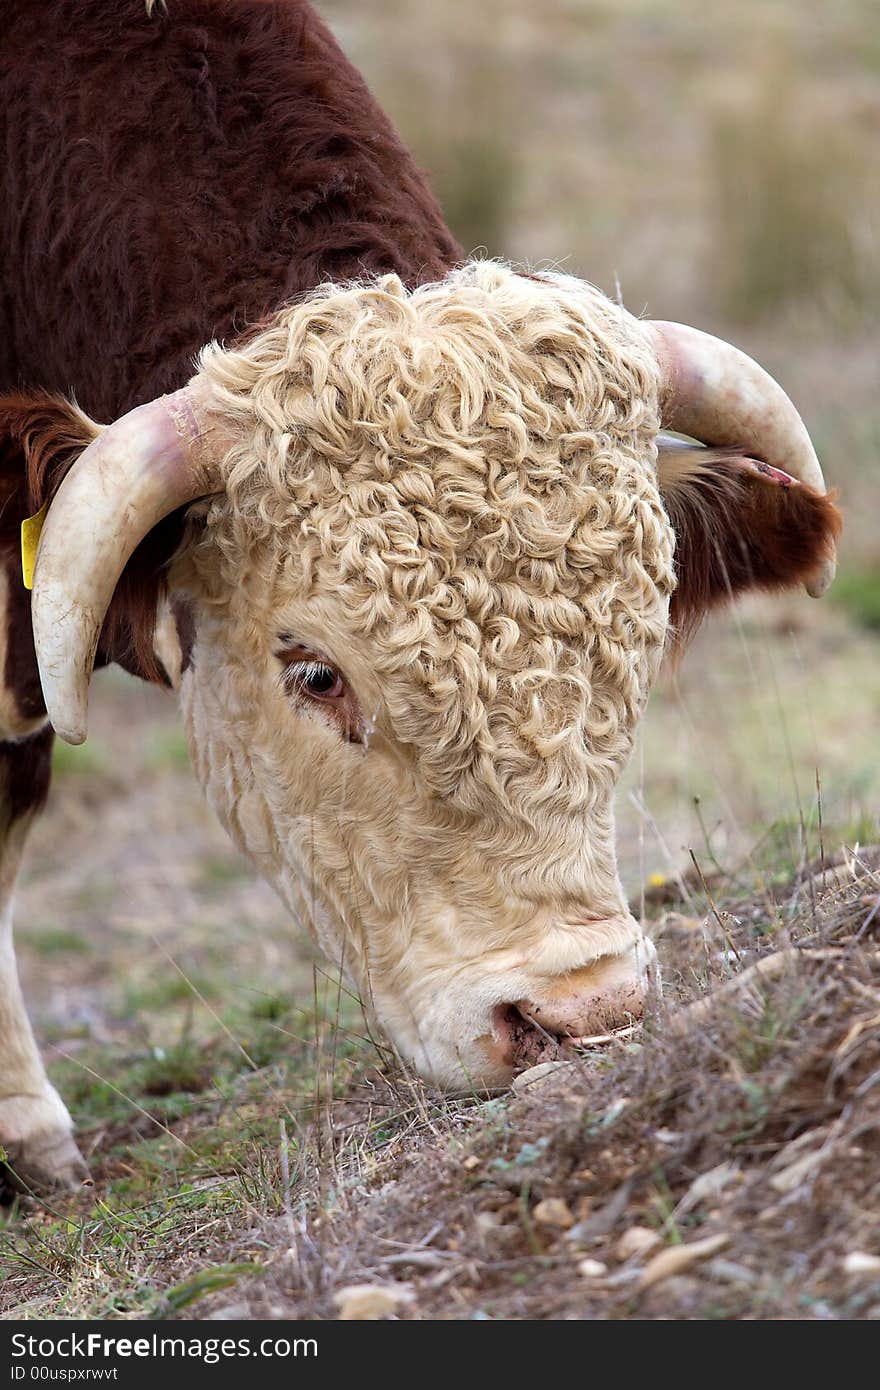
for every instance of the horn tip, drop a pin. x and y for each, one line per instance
(820, 583)
(68, 712)
(74, 734)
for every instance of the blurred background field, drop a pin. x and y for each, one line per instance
(713, 164)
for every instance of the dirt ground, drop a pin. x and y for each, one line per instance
(256, 1153)
(722, 1166)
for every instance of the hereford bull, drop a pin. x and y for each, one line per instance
(408, 513)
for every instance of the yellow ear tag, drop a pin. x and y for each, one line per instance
(31, 529)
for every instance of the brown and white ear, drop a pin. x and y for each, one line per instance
(42, 437)
(714, 393)
(740, 525)
(46, 434)
(112, 527)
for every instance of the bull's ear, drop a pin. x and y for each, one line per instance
(125, 499)
(739, 525)
(41, 436)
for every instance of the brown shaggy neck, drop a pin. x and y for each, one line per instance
(174, 179)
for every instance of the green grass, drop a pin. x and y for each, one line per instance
(759, 1040)
(858, 591)
(110, 1264)
(779, 851)
(53, 940)
(84, 760)
(166, 990)
(189, 1139)
(206, 1281)
(168, 1071)
(167, 751)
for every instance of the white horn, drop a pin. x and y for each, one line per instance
(139, 469)
(716, 394)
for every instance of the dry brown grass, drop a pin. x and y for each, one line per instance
(754, 1122)
(738, 1130)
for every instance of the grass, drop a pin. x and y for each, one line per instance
(233, 1107)
(209, 1171)
(53, 940)
(858, 591)
(215, 875)
(85, 760)
(631, 1144)
(187, 1138)
(168, 750)
(170, 988)
(111, 1258)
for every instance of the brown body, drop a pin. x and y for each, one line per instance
(173, 178)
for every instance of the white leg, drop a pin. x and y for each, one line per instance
(35, 1128)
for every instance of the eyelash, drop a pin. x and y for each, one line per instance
(301, 675)
(302, 672)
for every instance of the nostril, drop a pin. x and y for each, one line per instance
(526, 1040)
(531, 1020)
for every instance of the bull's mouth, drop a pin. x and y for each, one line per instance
(524, 1041)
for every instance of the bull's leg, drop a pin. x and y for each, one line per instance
(35, 1128)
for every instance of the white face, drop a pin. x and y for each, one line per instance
(428, 611)
(463, 879)
(452, 922)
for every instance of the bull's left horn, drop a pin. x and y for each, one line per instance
(716, 394)
(139, 469)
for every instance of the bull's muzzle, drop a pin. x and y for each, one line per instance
(584, 1007)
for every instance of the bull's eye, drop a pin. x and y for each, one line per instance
(310, 678)
(315, 679)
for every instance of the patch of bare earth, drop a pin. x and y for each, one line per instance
(724, 1166)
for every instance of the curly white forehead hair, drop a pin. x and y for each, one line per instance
(469, 467)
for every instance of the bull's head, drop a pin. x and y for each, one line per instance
(431, 591)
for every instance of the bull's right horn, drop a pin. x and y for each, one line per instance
(716, 394)
(149, 462)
